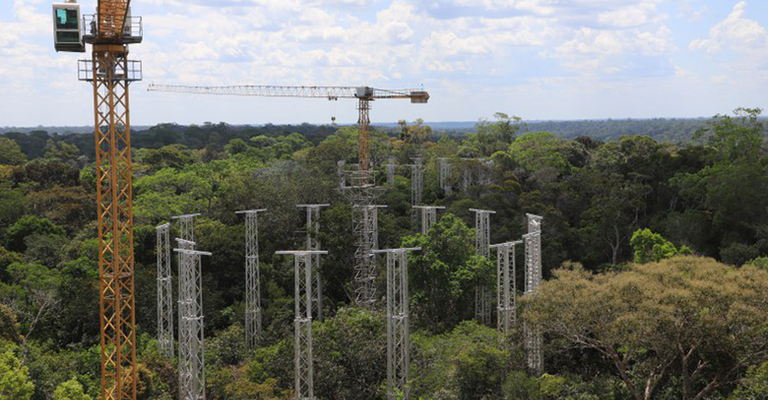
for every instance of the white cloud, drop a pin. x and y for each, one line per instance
(735, 32)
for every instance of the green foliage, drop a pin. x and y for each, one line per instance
(685, 309)
(70, 390)
(10, 152)
(443, 274)
(760, 262)
(648, 246)
(754, 385)
(350, 355)
(9, 327)
(462, 364)
(14, 378)
(30, 225)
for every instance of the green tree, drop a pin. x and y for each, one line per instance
(689, 322)
(9, 328)
(737, 138)
(30, 225)
(70, 390)
(10, 152)
(236, 146)
(443, 274)
(648, 246)
(14, 378)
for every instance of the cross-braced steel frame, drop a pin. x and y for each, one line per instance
(186, 226)
(114, 192)
(445, 175)
(164, 291)
(252, 277)
(313, 243)
(368, 235)
(506, 288)
(482, 247)
(417, 180)
(391, 166)
(303, 364)
(191, 333)
(398, 325)
(362, 194)
(428, 217)
(533, 338)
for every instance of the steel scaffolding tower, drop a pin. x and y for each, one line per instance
(482, 247)
(191, 334)
(398, 327)
(391, 165)
(164, 291)
(428, 216)
(362, 194)
(313, 243)
(186, 226)
(252, 277)
(368, 235)
(506, 288)
(533, 338)
(417, 180)
(304, 381)
(445, 175)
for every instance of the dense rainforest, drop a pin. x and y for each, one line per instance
(654, 257)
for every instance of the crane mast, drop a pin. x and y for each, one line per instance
(364, 95)
(109, 32)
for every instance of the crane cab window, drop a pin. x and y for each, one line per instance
(66, 27)
(67, 19)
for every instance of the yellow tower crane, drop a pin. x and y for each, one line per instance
(109, 31)
(364, 95)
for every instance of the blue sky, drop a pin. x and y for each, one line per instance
(539, 59)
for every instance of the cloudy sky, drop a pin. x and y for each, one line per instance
(539, 59)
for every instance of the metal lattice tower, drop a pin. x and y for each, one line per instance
(252, 277)
(303, 364)
(417, 181)
(164, 291)
(398, 326)
(391, 166)
(186, 226)
(445, 175)
(313, 243)
(533, 338)
(362, 194)
(482, 247)
(506, 288)
(191, 334)
(428, 217)
(368, 235)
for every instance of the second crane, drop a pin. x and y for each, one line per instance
(364, 95)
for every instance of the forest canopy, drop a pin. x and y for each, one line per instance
(669, 235)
